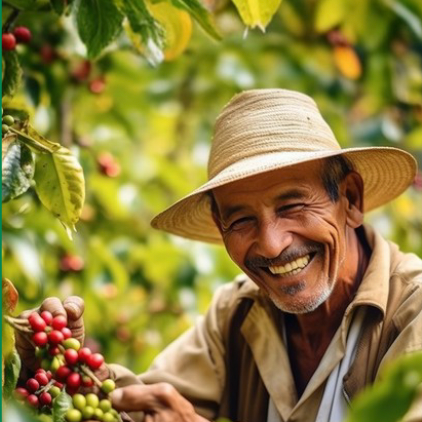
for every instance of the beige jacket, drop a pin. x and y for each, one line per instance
(234, 358)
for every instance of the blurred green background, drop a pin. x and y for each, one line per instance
(142, 135)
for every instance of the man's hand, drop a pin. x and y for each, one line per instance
(73, 308)
(160, 403)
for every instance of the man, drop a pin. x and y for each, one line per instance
(324, 301)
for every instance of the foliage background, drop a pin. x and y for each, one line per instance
(143, 288)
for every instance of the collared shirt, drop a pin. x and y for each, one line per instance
(198, 363)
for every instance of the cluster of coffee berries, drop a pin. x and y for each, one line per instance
(20, 35)
(6, 121)
(65, 366)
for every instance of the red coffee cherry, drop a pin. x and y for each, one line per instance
(45, 399)
(41, 378)
(36, 322)
(32, 399)
(63, 372)
(67, 333)
(22, 34)
(21, 393)
(55, 337)
(84, 353)
(47, 317)
(53, 351)
(40, 339)
(71, 356)
(87, 381)
(95, 360)
(74, 380)
(32, 385)
(59, 322)
(8, 41)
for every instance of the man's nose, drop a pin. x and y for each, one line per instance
(272, 239)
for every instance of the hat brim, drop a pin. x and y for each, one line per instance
(386, 173)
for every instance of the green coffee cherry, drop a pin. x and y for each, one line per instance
(8, 120)
(54, 391)
(55, 364)
(105, 405)
(73, 415)
(88, 412)
(79, 401)
(98, 414)
(108, 386)
(4, 128)
(108, 417)
(71, 343)
(92, 400)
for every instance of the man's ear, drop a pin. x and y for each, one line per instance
(352, 192)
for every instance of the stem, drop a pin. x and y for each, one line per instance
(47, 386)
(88, 372)
(18, 326)
(11, 19)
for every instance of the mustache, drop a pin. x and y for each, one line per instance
(286, 256)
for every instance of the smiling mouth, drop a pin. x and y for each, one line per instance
(292, 267)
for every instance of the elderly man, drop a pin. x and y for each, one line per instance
(324, 301)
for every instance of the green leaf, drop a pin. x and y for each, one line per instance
(12, 73)
(12, 368)
(33, 139)
(145, 32)
(329, 13)
(61, 404)
(61, 6)
(414, 21)
(257, 12)
(99, 22)
(200, 14)
(60, 185)
(17, 171)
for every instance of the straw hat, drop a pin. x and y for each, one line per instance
(267, 129)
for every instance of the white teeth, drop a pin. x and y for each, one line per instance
(293, 267)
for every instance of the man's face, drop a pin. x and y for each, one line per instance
(285, 233)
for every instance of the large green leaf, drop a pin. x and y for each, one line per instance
(12, 73)
(413, 20)
(61, 404)
(60, 185)
(99, 22)
(33, 139)
(12, 368)
(257, 12)
(17, 171)
(144, 29)
(200, 14)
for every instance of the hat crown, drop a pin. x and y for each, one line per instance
(265, 121)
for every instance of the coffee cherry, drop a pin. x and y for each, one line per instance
(54, 351)
(71, 356)
(59, 322)
(55, 365)
(73, 415)
(108, 417)
(4, 128)
(22, 34)
(87, 381)
(84, 353)
(87, 412)
(63, 372)
(74, 380)
(92, 400)
(41, 378)
(55, 337)
(67, 332)
(97, 86)
(71, 263)
(72, 343)
(8, 120)
(32, 385)
(59, 385)
(98, 414)
(45, 399)
(47, 317)
(108, 386)
(95, 360)
(8, 41)
(21, 393)
(79, 401)
(54, 391)
(32, 399)
(46, 364)
(40, 338)
(105, 405)
(36, 322)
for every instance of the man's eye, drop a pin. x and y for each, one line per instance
(240, 223)
(290, 207)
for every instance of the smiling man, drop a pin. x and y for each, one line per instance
(324, 302)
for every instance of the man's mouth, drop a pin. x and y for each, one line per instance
(292, 267)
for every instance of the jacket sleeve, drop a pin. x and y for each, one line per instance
(194, 362)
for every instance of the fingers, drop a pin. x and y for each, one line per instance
(74, 306)
(53, 305)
